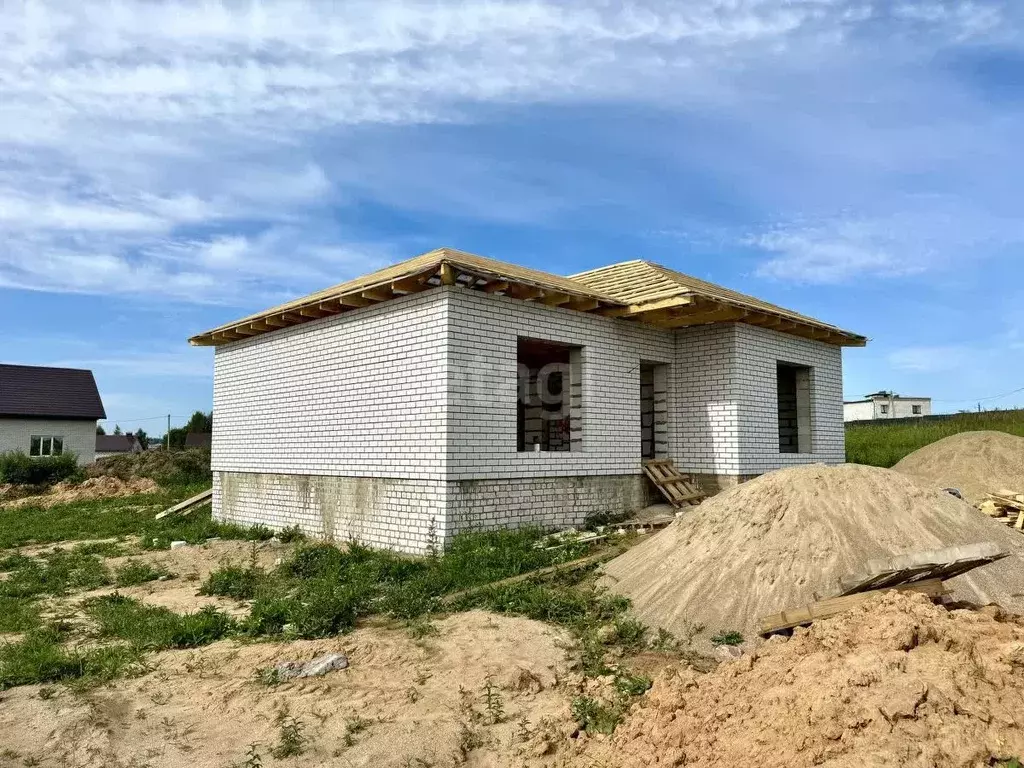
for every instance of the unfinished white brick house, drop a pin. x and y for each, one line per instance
(452, 392)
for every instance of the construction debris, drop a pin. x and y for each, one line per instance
(921, 572)
(680, 490)
(1007, 506)
(291, 670)
(188, 505)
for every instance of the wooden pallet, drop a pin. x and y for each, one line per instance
(680, 490)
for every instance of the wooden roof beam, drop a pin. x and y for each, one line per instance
(291, 317)
(377, 294)
(721, 315)
(584, 305)
(354, 301)
(314, 313)
(554, 299)
(528, 292)
(497, 286)
(277, 322)
(245, 330)
(413, 284)
(449, 275)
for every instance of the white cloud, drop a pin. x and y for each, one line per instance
(159, 148)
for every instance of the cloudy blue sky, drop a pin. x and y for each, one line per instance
(166, 167)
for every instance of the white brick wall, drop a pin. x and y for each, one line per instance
(397, 423)
(482, 393)
(359, 395)
(725, 419)
(79, 436)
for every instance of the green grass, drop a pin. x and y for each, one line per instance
(133, 572)
(18, 614)
(153, 628)
(125, 516)
(42, 657)
(882, 445)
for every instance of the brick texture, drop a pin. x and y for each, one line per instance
(395, 425)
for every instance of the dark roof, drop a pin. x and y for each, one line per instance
(198, 440)
(115, 443)
(56, 393)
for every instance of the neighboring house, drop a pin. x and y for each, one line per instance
(115, 445)
(49, 411)
(198, 440)
(886, 405)
(451, 392)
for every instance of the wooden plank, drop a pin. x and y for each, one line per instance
(549, 570)
(823, 609)
(497, 286)
(677, 488)
(377, 294)
(943, 564)
(1019, 525)
(187, 505)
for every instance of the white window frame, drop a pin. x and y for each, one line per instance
(48, 441)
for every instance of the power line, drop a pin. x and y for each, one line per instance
(981, 399)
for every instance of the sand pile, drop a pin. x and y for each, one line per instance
(895, 682)
(785, 538)
(102, 487)
(975, 462)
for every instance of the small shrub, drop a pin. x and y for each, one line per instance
(235, 581)
(727, 638)
(492, 703)
(631, 685)
(135, 572)
(630, 633)
(291, 534)
(21, 469)
(594, 716)
(290, 742)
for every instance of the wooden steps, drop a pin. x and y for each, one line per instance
(680, 490)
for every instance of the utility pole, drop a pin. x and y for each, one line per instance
(168, 438)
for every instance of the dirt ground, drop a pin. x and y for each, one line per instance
(895, 682)
(103, 487)
(402, 702)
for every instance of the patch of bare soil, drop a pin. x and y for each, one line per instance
(103, 487)
(786, 538)
(402, 702)
(895, 682)
(974, 462)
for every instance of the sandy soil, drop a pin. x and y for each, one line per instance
(787, 537)
(102, 487)
(402, 702)
(974, 462)
(896, 682)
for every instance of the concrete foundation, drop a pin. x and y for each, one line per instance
(417, 516)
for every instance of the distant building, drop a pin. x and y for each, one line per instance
(115, 445)
(49, 411)
(886, 405)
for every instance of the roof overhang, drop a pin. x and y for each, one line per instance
(449, 267)
(444, 267)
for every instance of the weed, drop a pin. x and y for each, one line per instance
(156, 628)
(135, 572)
(493, 704)
(268, 676)
(630, 633)
(290, 741)
(353, 727)
(46, 693)
(727, 638)
(664, 641)
(291, 534)
(628, 684)
(235, 581)
(252, 757)
(41, 658)
(420, 628)
(55, 573)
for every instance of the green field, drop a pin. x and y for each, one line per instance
(882, 445)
